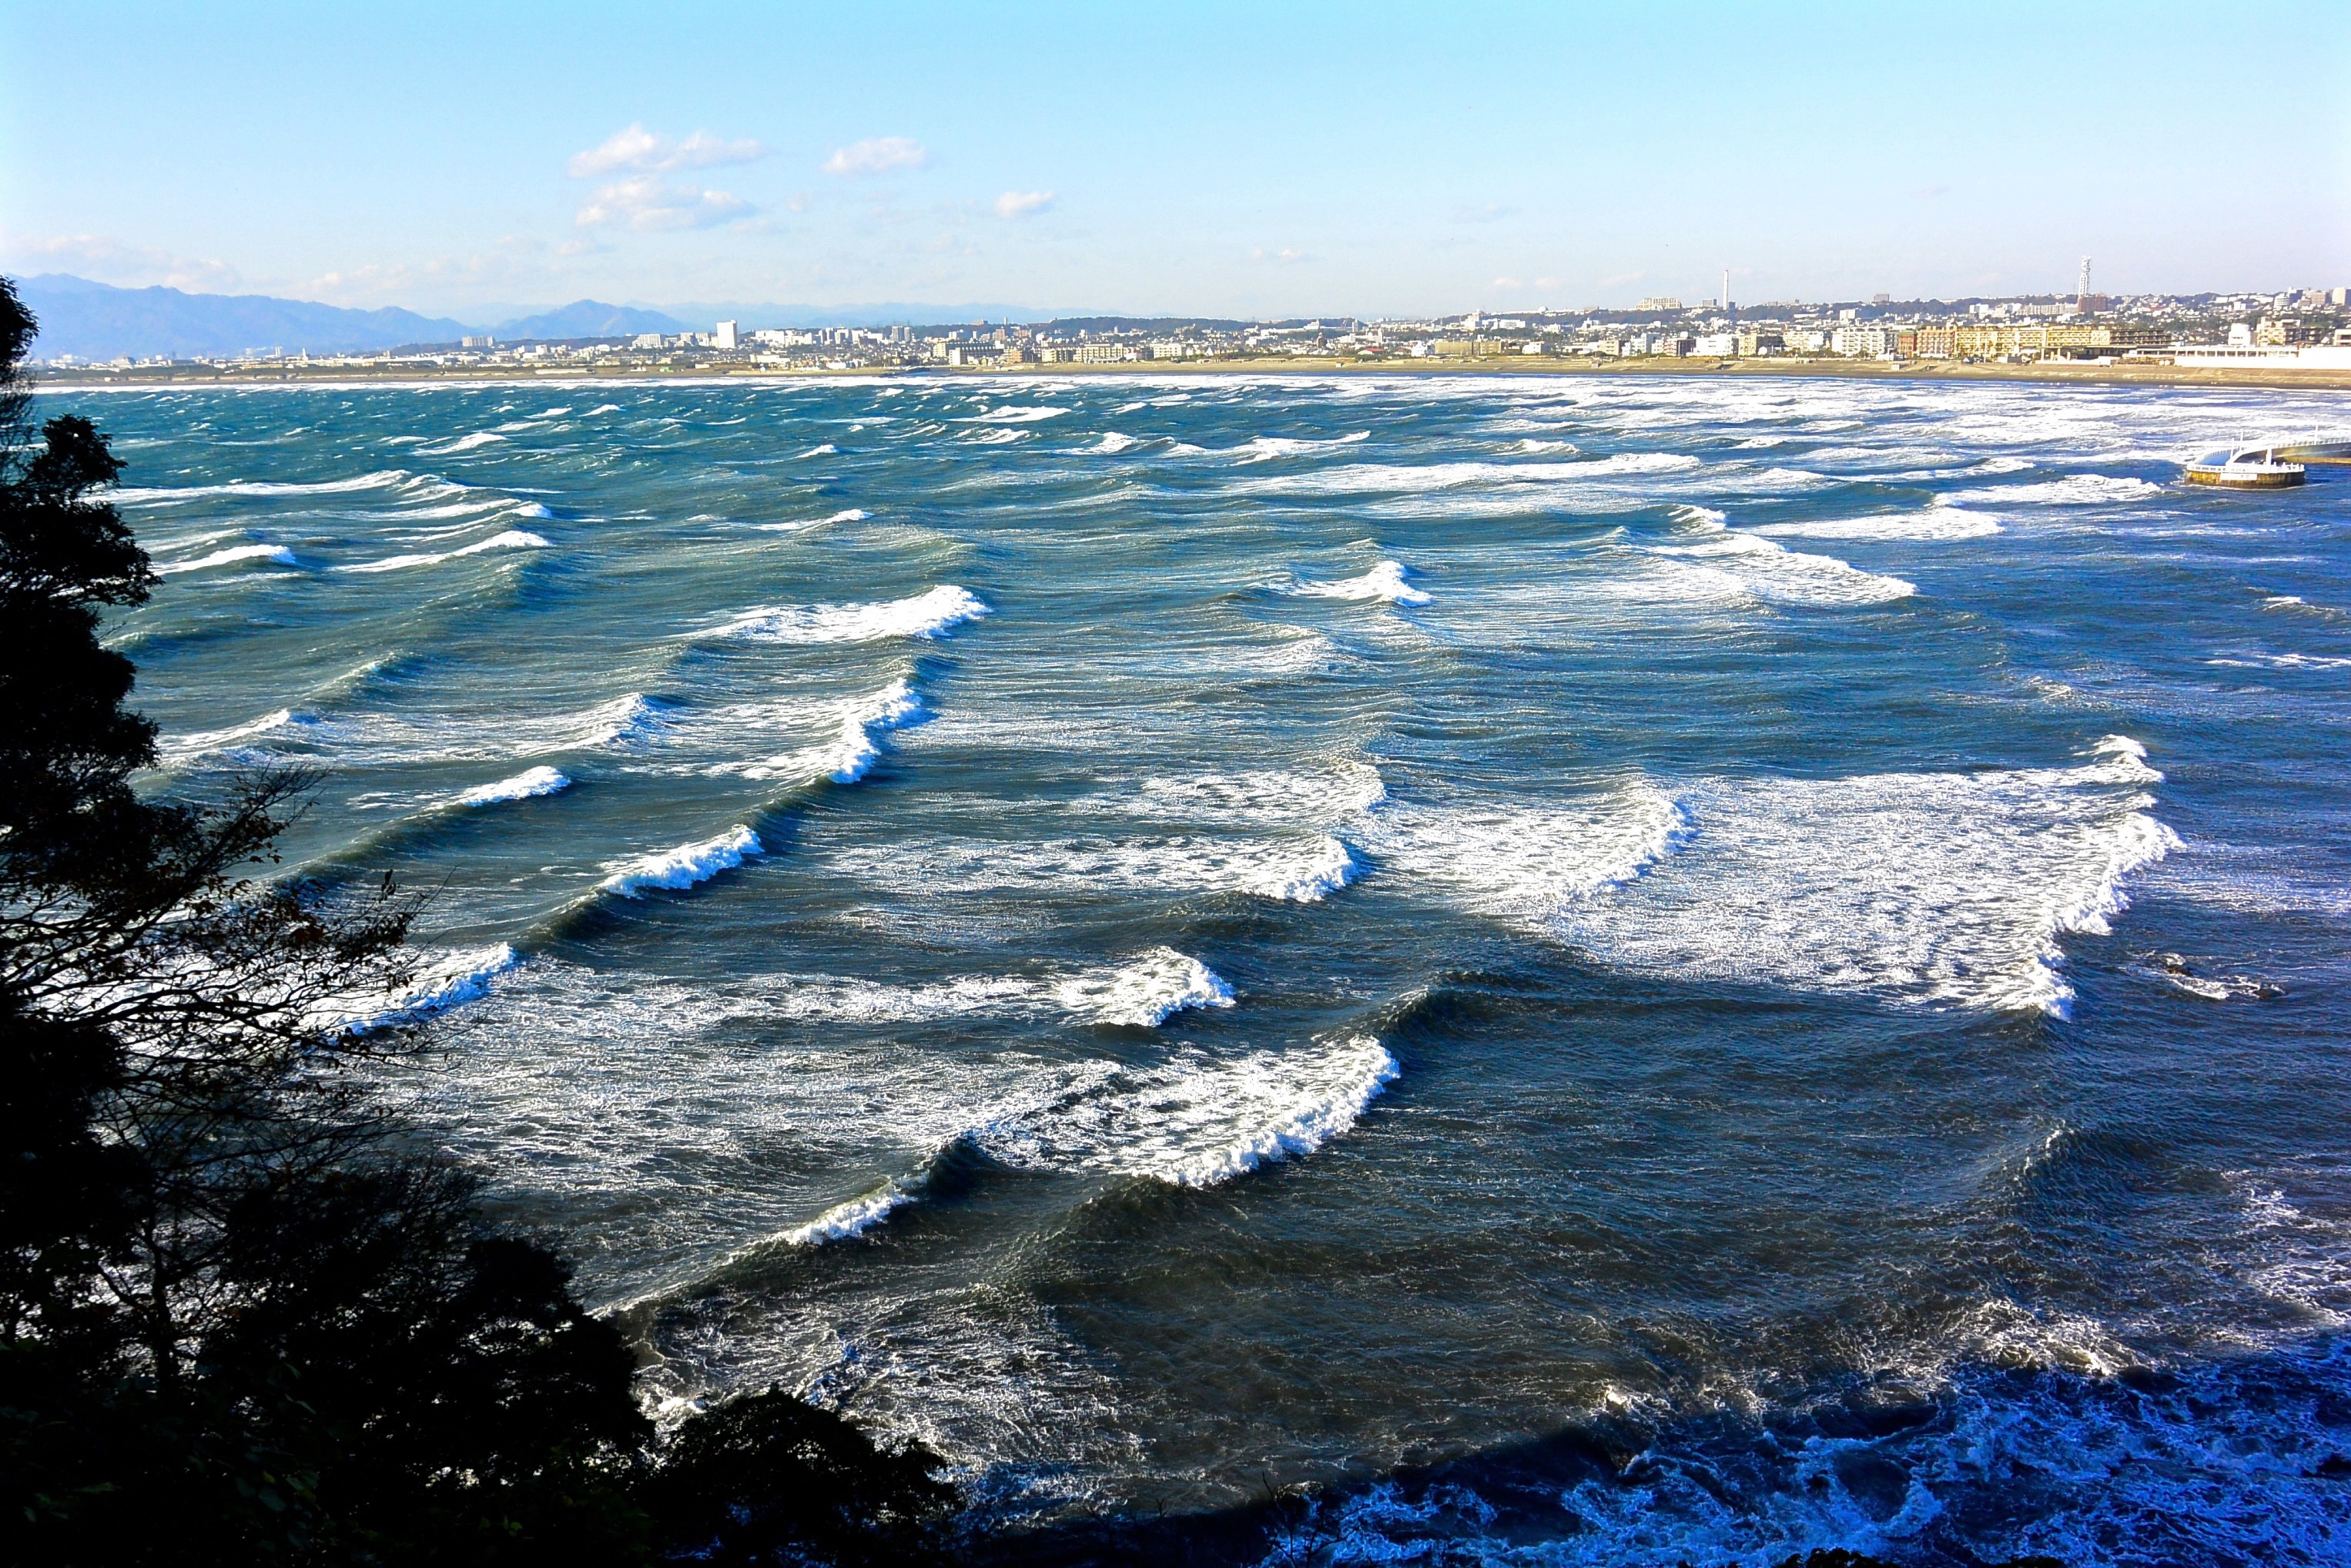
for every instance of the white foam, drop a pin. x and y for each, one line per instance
(277, 553)
(1385, 581)
(381, 480)
(1263, 448)
(852, 515)
(1291, 869)
(523, 786)
(177, 749)
(632, 719)
(1939, 521)
(1112, 441)
(684, 866)
(603, 408)
(1146, 992)
(925, 615)
(2079, 490)
(1934, 889)
(1528, 863)
(1416, 478)
(439, 983)
(1770, 571)
(825, 449)
(513, 538)
(1012, 415)
(1329, 799)
(847, 758)
(480, 438)
(853, 1217)
(537, 510)
(1199, 1120)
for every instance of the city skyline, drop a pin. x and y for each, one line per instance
(1212, 162)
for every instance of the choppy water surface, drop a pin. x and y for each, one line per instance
(1630, 971)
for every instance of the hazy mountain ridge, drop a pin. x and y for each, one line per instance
(91, 320)
(98, 321)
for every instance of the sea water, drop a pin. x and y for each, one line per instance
(1583, 970)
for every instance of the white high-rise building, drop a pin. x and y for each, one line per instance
(724, 337)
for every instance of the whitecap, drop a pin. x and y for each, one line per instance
(279, 554)
(1385, 581)
(523, 786)
(824, 449)
(854, 1216)
(1929, 889)
(1939, 522)
(2079, 490)
(1772, 572)
(847, 758)
(684, 866)
(925, 615)
(1264, 448)
(480, 438)
(1146, 993)
(851, 514)
(1012, 415)
(381, 480)
(513, 538)
(1197, 1120)
(439, 983)
(1290, 869)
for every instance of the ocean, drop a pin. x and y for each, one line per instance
(1473, 970)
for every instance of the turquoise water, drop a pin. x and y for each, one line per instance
(1620, 971)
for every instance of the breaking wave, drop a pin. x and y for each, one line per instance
(1147, 992)
(685, 866)
(1385, 581)
(523, 786)
(513, 538)
(925, 615)
(279, 554)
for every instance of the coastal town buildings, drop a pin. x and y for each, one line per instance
(2284, 325)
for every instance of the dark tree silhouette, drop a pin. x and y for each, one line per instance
(237, 1323)
(242, 1321)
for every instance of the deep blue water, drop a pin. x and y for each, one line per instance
(1609, 971)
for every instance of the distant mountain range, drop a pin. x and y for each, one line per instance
(98, 321)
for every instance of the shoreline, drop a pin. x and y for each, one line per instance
(2269, 378)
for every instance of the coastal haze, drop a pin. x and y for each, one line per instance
(1530, 786)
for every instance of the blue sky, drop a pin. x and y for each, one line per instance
(1258, 158)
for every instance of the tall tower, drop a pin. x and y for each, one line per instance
(2082, 295)
(1726, 289)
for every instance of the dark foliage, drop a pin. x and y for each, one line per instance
(241, 1322)
(767, 1480)
(236, 1323)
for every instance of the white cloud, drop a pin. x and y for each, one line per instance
(637, 148)
(106, 259)
(646, 202)
(1280, 257)
(876, 155)
(1021, 204)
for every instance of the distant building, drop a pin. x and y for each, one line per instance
(648, 340)
(1659, 302)
(724, 337)
(1869, 342)
(1721, 344)
(482, 342)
